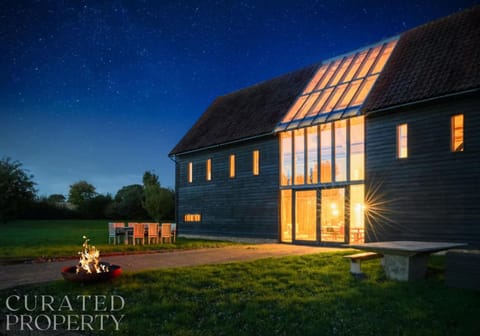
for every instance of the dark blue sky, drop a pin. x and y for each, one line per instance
(103, 90)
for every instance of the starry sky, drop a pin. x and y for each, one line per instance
(102, 90)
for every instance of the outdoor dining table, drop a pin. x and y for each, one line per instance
(406, 260)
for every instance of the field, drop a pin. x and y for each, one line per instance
(62, 238)
(307, 295)
(301, 295)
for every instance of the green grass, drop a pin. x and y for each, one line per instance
(307, 295)
(62, 238)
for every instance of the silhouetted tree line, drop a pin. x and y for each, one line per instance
(19, 200)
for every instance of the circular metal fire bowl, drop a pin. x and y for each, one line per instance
(70, 273)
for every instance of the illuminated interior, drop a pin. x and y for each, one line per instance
(322, 150)
(256, 162)
(192, 217)
(190, 172)
(232, 166)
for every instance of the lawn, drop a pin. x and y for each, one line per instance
(307, 295)
(63, 238)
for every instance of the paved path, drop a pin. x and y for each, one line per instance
(22, 274)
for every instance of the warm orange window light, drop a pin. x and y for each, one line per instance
(190, 172)
(339, 86)
(232, 166)
(256, 162)
(402, 141)
(457, 133)
(192, 217)
(209, 170)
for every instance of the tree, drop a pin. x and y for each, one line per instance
(159, 202)
(16, 189)
(81, 192)
(128, 203)
(56, 199)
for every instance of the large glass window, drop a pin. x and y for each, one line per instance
(357, 149)
(333, 215)
(286, 216)
(457, 133)
(286, 158)
(340, 150)
(357, 210)
(337, 85)
(306, 215)
(312, 155)
(402, 141)
(299, 144)
(326, 153)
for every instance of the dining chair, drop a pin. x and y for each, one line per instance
(112, 231)
(152, 232)
(138, 232)
(166, 233)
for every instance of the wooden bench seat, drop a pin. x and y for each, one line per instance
(356, 259)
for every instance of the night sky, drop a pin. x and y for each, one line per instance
(103, 90)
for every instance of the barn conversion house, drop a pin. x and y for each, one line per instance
(382, 143)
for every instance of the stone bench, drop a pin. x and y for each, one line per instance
(356, 259)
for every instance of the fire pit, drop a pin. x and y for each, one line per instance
(89, 268)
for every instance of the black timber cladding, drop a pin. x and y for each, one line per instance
(434, 194)
(243, 206)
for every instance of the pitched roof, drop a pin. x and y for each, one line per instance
(435, 59)
(245, 113)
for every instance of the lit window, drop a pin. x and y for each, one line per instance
(286, 158)
(457, 133)
(402, 141)
(232, 166)
(256, 162)
(190, 172)
(192, 218)
(357, 149)
(299, 158)
(209, 170)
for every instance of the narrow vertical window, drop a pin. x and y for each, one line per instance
(357, 149)
(326, 153)
(299, 146)
(232, 166)
(256, 162)
(209, 170)
(190, 172)
(340, 150)
(286, 158)
(457, 133)
(312, 155)
(402, 141)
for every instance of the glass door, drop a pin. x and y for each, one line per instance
(306, 215)
(286, 216)
(332, 216)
